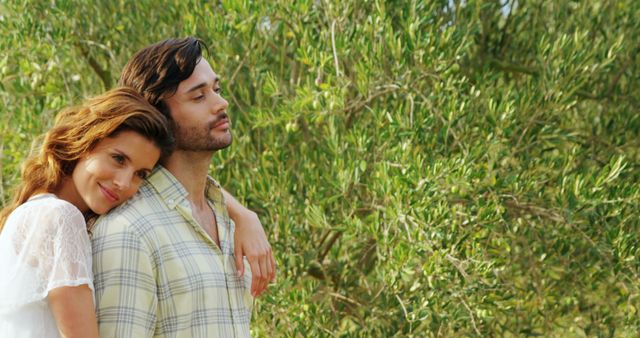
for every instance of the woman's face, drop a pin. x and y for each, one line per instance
(112, 172)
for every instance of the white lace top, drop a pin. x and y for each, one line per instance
(43, 245)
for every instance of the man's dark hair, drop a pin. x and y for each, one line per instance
(156, 71)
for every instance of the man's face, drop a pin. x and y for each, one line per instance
(200, 112)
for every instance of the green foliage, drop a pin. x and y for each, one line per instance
(423, 168)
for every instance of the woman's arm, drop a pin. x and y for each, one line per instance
(251, 241)
(74, 312)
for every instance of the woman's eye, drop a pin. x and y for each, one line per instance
(199, 98)
(218, 90)
(118, 158)
(143, 174)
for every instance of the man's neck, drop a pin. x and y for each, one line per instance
(191, 169)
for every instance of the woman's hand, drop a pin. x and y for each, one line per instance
(251, 241)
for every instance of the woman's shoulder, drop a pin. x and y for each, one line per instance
(49, 208)
(49, 202)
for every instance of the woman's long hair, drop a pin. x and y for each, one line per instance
(77, 130)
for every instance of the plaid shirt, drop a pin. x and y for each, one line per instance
(159, 274)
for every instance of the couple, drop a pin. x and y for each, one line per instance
(162, 263)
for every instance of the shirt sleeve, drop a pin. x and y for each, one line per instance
(126, 298)
(60, 246)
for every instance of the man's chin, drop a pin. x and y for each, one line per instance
(222, 142)
(213, 144)
(223, 146)
(228, 140)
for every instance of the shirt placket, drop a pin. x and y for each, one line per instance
(223, 233)
(185, 212)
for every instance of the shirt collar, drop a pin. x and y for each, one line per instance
(173, 192)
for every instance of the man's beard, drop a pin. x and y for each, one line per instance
(200, 138)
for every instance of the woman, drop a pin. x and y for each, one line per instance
(93, 159)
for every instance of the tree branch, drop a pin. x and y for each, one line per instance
(102, 73)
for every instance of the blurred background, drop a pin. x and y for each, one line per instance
(422, 168)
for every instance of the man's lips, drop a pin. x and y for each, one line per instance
(110, 195)
(222, 123)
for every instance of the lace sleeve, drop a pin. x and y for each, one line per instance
(60, 248)
(43, 246)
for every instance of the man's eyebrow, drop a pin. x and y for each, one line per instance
(202, 85)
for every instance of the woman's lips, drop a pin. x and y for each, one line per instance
(110, 195)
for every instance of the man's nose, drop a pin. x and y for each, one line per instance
(219, 104)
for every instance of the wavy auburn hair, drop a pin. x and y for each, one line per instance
(77, 130)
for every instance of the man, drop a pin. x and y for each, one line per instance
(164, 261)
